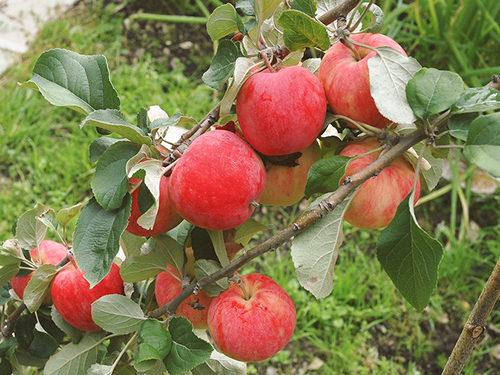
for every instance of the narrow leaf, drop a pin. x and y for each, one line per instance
(483, 143)
(114, 121)
(30, 231)
(65, 215)
(432, 91)
(220, 364)
(222, 22)
(110, 182)
(79, 82)
(410, 256)
(222, 65)
(246, 231)
(74, 333)
(38, 286)
(117, 314)
(96, 238)
(217, 238)
(325, 175)
(477, 99)
(75, 358)
(301, 30)
(431, 176)
(188, 351)
(389, 73)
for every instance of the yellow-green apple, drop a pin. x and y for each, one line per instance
(167, 287)
(254, 321)
(281, 112)
(73, 297)
(215, 182)
(50, 252)
(376, 202)
(285, 185)
(166, 219)
(345, 78)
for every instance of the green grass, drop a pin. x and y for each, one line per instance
(364, 326)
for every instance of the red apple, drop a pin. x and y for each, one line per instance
(216, 180)
(254, 322)
(166, 219)
(167, 287)
(50, 253)
(73, 297)
(285, 185)
(346, 79)
(376, 202)
(283, 112)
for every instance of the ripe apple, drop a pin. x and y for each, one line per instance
(282, 112)
(253, 322)
(376, 202)
(166, 219)
(285, 185)
(51, 252)
(216, 180)
(167, 287)
(73, 297)
(346, 79)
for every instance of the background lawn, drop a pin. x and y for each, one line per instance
(364, 326)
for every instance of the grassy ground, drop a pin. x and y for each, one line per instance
(364, 326)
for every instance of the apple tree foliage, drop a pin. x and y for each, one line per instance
(406, 93)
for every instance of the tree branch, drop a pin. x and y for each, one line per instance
(8, 328)
(343, 8)
(476, 324)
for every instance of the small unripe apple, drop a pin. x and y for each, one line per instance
(282, 112)
(51, 252)
(253, 322)
(167, 287)
(376, 202)
(166, 219)
(286, 185)
(347, 82)
(215, 182)
(73, 297)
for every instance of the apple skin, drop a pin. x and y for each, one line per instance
(73, 297)
(376, 202)
(285, 186)
(215, 181)
(253, 328)
(283, 112)
(346, 80)
(51, 252)
(166, 219)
(167, 287)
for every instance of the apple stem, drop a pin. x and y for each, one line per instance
(268, 64)
(365, 128)
(246, 292)
(254, 203)
(361, 18)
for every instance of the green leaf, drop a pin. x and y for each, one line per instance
(223, 21)
(410, 256)
(117, 314)
(38, 286)
(222, 65)
(79, 82)
(325, 175)
(154, 344)
(217, 238)
(301, 30)
(483, 143)
(4, 293)
(188, 351)
(432, 176)
(312, 65)
(65, 215)
(97, 369)
(36, 343)
(8, 271)
(131, 244)
(113, 120)
(264, 9)
(153, 259)
(74, 333)
(477, 99)
(96, 238)
(175, 119)
(389, 73)
(246, 231)
(246, 6)
(75, 358)
(220, 364)
(10, 260)
(315, 252)
(432, 91)
(30, 231)
(110, 182)
(98, 147)
(459, 125)
(181, 233)
(306, 6)
(378, 18)
(205, 267)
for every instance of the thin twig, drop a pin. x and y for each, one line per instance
(10, 323)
